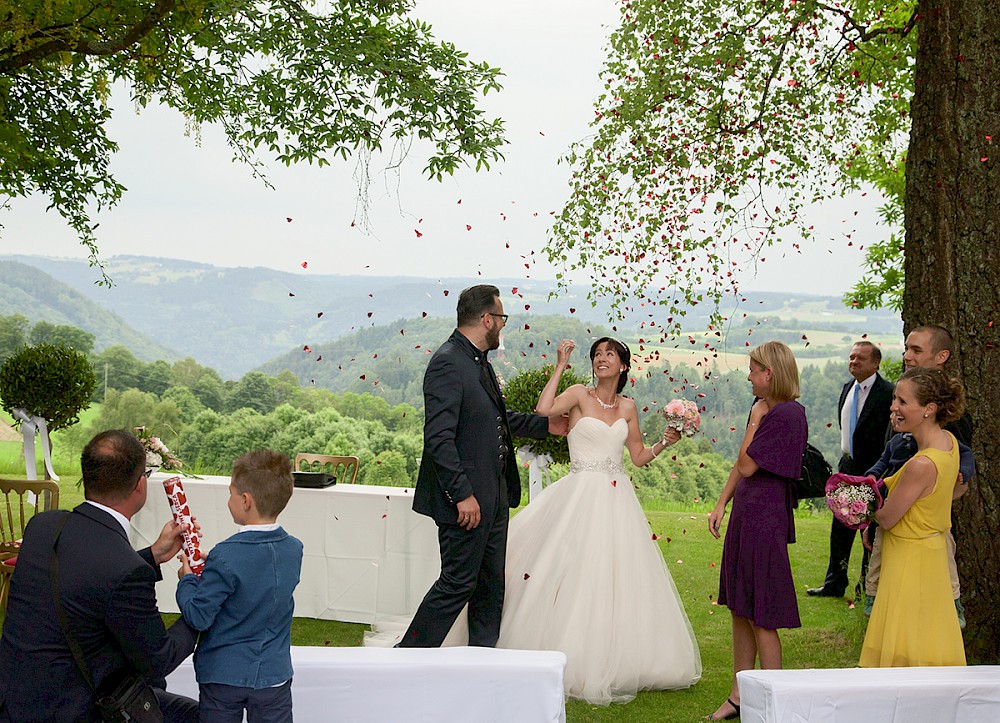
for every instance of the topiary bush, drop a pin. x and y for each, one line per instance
(521, 394)
(47, 380)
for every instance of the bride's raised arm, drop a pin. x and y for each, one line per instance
(550, 405)
(639, 453)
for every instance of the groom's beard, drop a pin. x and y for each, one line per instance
(492, 339)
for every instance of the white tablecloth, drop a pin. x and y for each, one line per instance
(367, 556)
(381, 685)
(886, 695)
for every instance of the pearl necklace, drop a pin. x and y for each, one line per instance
(604, 406)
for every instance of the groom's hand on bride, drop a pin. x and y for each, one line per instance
(559, 425)
(468, 513)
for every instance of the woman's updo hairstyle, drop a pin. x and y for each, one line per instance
(624, 355)
(933, 386)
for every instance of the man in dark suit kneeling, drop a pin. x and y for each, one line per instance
(107, 591)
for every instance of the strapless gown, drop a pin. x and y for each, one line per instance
(584, 576)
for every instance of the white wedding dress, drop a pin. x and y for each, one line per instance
(585, 576)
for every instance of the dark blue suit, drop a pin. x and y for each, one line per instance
(106, 589)
(468, 450)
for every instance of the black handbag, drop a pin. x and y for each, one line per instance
(127, 697)
(815, 472)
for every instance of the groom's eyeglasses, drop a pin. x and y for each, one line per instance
(499, 316)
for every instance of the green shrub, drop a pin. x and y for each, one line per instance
(47, 380)
(522, 394)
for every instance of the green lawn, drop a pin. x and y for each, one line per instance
(830, 635)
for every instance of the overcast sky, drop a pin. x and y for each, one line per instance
(188, 200)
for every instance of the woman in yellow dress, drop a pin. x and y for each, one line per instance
(913, 622)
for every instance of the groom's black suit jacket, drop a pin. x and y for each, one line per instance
(467, 435)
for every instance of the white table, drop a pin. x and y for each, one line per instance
(367, 556)
(887, 695)
(381, 685)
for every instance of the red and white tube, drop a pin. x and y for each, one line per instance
(182, 515)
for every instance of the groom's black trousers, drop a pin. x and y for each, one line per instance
(472, 571)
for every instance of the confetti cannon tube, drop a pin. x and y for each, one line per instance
(182, 515)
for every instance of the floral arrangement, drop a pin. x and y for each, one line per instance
(853, 500)
(683, 416)
(157, 454)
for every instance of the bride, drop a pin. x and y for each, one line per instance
(583, 573)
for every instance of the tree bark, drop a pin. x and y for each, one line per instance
(952, 264)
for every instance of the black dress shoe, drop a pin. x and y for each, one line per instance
(823, 592)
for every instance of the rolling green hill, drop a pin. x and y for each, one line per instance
(28, 291)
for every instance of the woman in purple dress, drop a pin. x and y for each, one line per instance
(756, 578)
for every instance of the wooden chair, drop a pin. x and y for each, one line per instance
(16, 509)
(329, 463)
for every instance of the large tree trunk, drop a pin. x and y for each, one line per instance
(952, 252)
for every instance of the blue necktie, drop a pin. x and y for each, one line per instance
(854, 414)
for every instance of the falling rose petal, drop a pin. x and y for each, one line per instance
(614, 483)
(459, 202)
(526, 576)
(423, 314)
(362, 377)
(513, 291)
(468, 227)
(711, 564)
(307, 350)
(290, 293)
(384, 516)
(288, 219)
(418, 233)
(527, 326)
(572, 310)
(984, 159)
(319, 315)
(655, 536)
(319, 358)
(446, 292)
(305, 264)
(370, 314)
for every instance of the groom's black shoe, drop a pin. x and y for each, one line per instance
(823, 592)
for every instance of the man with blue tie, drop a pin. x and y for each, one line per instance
(863, 415)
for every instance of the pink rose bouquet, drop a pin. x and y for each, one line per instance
(682, 415)
(853, 500)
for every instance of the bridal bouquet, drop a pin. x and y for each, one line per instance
(683, 416)
(853, 500)
(157, 454)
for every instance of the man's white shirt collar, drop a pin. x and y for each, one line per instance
(122, 519)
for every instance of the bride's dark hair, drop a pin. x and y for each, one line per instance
(623, 354)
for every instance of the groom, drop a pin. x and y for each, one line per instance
(468, 474)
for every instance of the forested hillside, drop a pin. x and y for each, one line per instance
(237, 319)
(36, 296)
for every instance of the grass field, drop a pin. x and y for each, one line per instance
(830, 635)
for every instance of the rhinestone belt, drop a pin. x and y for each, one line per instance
(609, 466)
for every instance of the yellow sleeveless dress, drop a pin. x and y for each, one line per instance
(913, 622)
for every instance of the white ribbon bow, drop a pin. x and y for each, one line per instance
(30, 423)
(538, 467)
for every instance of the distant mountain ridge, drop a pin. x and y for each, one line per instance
(29, 291)
(238, 319)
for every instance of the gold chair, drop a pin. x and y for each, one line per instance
(329, 463)
(15, 512)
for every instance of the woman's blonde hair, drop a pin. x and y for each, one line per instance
(778, 358)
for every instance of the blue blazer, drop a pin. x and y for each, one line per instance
(107, 590)
(243, 602)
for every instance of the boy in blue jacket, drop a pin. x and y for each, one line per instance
(243, 600)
